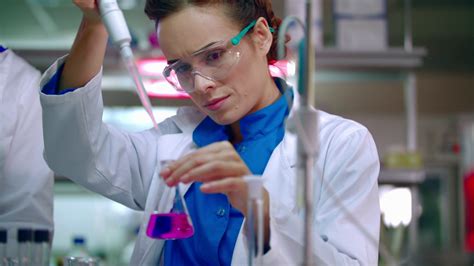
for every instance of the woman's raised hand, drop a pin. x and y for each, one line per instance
(89, 9)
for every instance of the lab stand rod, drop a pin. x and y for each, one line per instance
(307, 158)
(408, 41)
(309, 56)
(410, 94)
(413, 227)
(308, 200)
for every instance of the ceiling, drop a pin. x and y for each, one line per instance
(52, 24)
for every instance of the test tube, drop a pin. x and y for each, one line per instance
(255, 213)
(24, 237)
(3, 245)
(41, 247)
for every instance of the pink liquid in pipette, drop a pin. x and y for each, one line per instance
(169, 226)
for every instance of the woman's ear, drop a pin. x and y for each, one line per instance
(262, 36)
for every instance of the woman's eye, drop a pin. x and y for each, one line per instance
(181, 69)
(214, 56)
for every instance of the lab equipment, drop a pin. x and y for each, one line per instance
(176, 224)
(297, 9)
(361, 25)
(41, 248)
(255, 206)
(306, 125)
(24, 238)
(79, 248)
(79, 261)
(117, 28)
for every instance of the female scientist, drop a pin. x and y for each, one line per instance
(218, 52)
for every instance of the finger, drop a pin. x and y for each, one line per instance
(180, 167)
(226, 185)
(86, 4)
(176, 169)
(216, 147)
(215, 170)
(224, 163)
(173, 166)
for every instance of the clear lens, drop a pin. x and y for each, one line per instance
(214, 63)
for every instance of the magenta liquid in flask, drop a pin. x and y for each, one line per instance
(176, 224)
(169, 226)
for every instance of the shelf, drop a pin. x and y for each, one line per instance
(391, 58)
(330, 58)
(401, 176)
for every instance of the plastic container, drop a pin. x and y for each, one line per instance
(41, 247)
(79, 248)
(24, 238)
(3, 245)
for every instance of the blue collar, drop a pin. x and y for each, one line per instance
(2, 49)
(253, 126)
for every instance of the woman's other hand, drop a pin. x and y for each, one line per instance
(218, 166)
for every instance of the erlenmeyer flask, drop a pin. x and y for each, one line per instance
(176, 224)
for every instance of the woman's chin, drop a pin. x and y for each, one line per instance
(224, 118)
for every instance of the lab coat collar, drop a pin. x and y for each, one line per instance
(188, 118)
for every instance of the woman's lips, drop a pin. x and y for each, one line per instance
(216, 103)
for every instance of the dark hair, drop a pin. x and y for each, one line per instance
(241, 11)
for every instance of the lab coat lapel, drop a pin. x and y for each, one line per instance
(280, 167)
(8, 107)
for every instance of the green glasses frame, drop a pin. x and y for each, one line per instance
(236, 40)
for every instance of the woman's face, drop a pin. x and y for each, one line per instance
(245, 89)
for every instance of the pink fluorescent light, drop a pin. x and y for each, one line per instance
(157, 87)
(279, 69)
(162, 89)
(154, 82)
(152, 67)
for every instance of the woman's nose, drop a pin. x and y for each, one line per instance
(203, 83)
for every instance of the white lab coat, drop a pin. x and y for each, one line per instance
(123, 167)
(26, 182)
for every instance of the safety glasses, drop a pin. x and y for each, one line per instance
(213, 63)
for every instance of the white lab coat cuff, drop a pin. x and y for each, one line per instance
(93, 86)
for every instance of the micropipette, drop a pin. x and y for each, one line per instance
(176, 224)
(116, 26)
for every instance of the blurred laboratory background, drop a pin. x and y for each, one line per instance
(403, 68)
